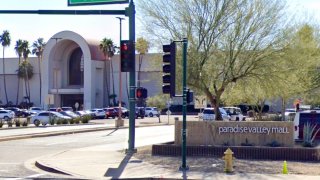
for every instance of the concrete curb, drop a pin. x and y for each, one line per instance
(58, 133)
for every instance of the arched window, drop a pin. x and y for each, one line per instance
(76, 67)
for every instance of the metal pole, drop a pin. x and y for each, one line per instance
(184, 107)
(130, 11)
(120, 79)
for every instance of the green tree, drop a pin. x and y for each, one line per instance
(38, 48)
(108, 49)
(25, 53)
(5, 40)
(228, 40)
(18, 49)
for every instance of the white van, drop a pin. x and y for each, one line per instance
(235, 113)
(303, 117)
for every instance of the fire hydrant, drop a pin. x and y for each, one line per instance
(228, 160)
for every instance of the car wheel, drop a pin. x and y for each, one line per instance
(150, 114)
(113, 117)
(237, 118)
(36, 122)
(142, 117)
(6, 118)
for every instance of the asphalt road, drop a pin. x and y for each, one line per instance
(17, 157)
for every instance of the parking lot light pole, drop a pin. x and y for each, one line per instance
(120, 79)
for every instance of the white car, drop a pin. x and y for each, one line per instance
(35, 110)
(209, 115)
(151, 111)
(99, 113)
(235, 113)
(289, 114)
(6, 115)
(44, 117)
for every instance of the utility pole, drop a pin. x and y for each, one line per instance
(120, 78)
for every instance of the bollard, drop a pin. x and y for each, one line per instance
(285, 168)
(228, 161)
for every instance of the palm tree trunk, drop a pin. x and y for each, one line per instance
(114, 99)
(40, 77)
(17, 99)
(106, 82)
(4, 77)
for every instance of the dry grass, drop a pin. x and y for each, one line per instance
(215, 164)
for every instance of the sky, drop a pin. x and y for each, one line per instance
(31, 27)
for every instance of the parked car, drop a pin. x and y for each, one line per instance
(289, 114)
(234, 113)
(98, 113)
(110, 112)
(82, 113)
(6, 115)
(152, 111)
(45, 116)
(53, 109)
(208, 114)
(69, 113)
(124, 111)
(66, 108)
(35, 110)
(19, 112)
(140, 112)
(302, 118)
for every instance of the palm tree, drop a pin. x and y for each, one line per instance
(5, 42)
(26, 51)
(38, 47)
(142, 47)
(18, 48)
(108, 48)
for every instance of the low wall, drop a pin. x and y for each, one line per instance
(241, 152)
(239, 133)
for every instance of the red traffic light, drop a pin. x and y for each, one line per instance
(124, 47)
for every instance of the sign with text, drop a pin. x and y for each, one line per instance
(94, 2)
(200, 102)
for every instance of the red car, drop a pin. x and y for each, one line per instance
(110, 112)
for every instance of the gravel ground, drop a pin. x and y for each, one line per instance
(240, 165)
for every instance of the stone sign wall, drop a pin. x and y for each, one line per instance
(256, 133)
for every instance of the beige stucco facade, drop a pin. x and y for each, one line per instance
(56, 71)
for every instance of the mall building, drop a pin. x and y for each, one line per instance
(74, 71)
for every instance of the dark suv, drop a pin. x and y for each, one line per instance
(140, 112)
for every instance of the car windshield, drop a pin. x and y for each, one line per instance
(222, 111)
(208, 111)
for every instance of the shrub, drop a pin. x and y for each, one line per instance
(247, 143)
(274, 144)
(77, 120)
(309, 134)
(52, 120)
(59, 121)
(17, 122)
(65, 121)
(24, 123)
(10, 123)
(71, 121)
(85, 118)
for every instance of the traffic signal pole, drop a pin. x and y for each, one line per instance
(130, 11)
(184, 166)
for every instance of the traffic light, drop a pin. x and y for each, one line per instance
(127, 56)
(169, 69)
(141, 93)
(189, 96)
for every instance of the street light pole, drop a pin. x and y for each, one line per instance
(120, 79)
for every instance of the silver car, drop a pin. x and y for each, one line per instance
(45, 116)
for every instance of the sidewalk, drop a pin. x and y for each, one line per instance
(100, 163)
